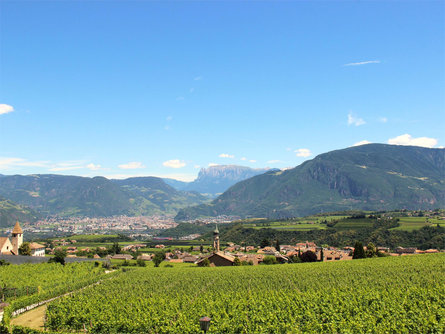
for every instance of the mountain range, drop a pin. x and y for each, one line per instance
(62, 195)
(214, 180)
(367, 177)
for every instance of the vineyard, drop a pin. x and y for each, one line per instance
(381, 295)
(28, 284)
(45, 277)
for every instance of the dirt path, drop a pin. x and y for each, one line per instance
(33, 319)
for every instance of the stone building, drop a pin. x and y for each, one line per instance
(11, 247)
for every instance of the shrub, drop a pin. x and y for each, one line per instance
(270, 260)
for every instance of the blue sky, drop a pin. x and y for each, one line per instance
(165, 88)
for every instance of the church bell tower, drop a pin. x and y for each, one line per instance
(17, 238)
(216, 239)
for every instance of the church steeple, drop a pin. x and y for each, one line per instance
(17, 238)
(216, 239)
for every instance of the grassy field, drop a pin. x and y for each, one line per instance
(415, 223)
(380, 295)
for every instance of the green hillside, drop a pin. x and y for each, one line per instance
(152, 193)
(369, 177)
(11, 212)
(98, 196)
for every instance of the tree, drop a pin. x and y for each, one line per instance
(308, 256)
(158, 258)
(264, 243)
(237, 262)
(205, 263)
(321, 255)
(277, 245)
(201, 248)
(359, 252)
(371, 250)
(25, 249)
(59, 256)
(115, 249)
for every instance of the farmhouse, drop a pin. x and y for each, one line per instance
(37, 249)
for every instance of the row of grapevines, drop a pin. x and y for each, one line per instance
(382, 295)
(46, 276)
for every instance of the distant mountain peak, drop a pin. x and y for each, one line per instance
(395, 177)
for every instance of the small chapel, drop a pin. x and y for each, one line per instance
(11, 246)
(217, 258)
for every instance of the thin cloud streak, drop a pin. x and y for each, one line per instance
(363, 63)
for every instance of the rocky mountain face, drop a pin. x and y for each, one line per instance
(368, 177)
(214, 180)
(82, 196)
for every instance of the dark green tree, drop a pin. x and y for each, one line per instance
(205, 263)
(158, 258)
(359, 252)
(277, 245)
(237, 262)
(264, 243)
(25, 249)
(201, 248)
(59, 256)
(308, 256)
(371, 250)
(115, 249)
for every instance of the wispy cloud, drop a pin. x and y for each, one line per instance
(68, 165)
(212, 164)
(355, 120)
(363, 142)
(225, 155)
(7, 163)
(407, 139)
(175, 163)
(132, 165)
(363, 63)
(252, 160)
(303, 152)
(383, 120)
(92, 166)
(243, 159)
(6, 108)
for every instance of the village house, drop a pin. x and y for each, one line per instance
(334, 255)
(37, 249)
(122, 257)
(145, 257)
